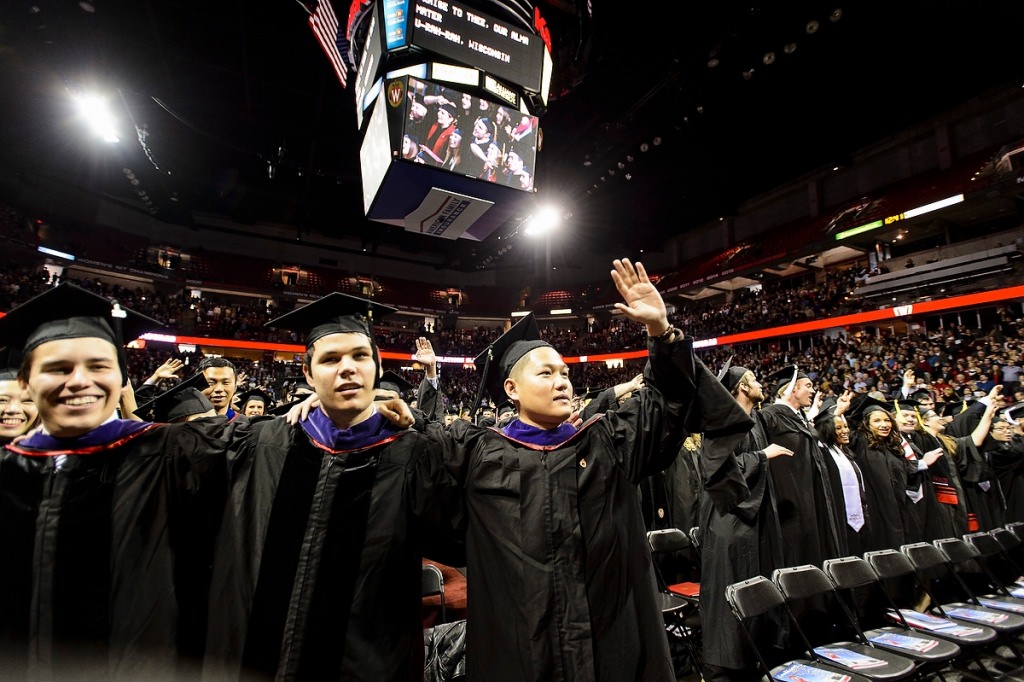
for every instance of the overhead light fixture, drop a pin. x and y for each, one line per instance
(748, 74)
(769, 58)
(812, 27)
(656, 141)
(562, 311)
(644, 146)
(713, 62)
(836, 15)
(789, 48)
(97, 115)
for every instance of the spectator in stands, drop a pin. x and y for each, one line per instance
(435, 144)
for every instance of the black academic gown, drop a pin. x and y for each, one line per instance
(853, 541)
(1008, 463)
(986, 507)
(945, 503)
(808, 513)
(740, 538)
(106, 551)
(885, 487)
(319, 561)
(561, 586)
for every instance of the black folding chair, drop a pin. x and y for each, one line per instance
(859, 587)
(976, 559)
(1013, 552)
(955, 599)
(680, 601)
(433, 584)
(800, 584)
(903, 589)
(952, 598)
(694, 535)
(757, 597)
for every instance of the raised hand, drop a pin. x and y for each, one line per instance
(168, 370)
(642, 300)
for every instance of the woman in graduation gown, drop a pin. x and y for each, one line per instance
(560, 579)
(949, 507)
(105, 523)
(886, 468)
(845, 477)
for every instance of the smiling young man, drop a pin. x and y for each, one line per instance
(106, 522)
(222, 380)
(559, 572)
(319, 559)
(18, 414)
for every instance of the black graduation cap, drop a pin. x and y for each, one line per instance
(392, 381)
(825, 412)
(863, 404)
(951, 408)
(905, 405)
(178, 402)
(1012, 413)
(297, 383)
(8, 372)
(255, 394)
(334, 313)
(920, 394)
(783, 377)
(283, 408)
(497, 360)
(592, 393)
(730, 376)
(68, 311)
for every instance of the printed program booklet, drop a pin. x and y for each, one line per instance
(1001, 605)
(976, 615)
(935, 624)
(848, 658)
(799, 672)
(907, 642)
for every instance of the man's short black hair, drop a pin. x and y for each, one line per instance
(218, 362)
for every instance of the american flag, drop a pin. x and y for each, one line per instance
(324, 23)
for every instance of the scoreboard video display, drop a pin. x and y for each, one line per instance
(468, 36)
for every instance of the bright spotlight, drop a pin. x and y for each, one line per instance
(542, 222)
(96, 113)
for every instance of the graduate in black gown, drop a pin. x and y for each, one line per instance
(808, 513)
(845, 476)
(318, 568)
(559, 573)
(106, 524)
(740, 535)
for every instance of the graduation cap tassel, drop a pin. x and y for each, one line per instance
(483, 376)
(117, 316)
(725, 367)
(792, 382)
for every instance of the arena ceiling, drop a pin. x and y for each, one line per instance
(662, 116)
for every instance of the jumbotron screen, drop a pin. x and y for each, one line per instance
(468, 135)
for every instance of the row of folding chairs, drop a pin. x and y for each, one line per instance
(953, 607)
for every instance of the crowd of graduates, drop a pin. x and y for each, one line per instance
(831, 445)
